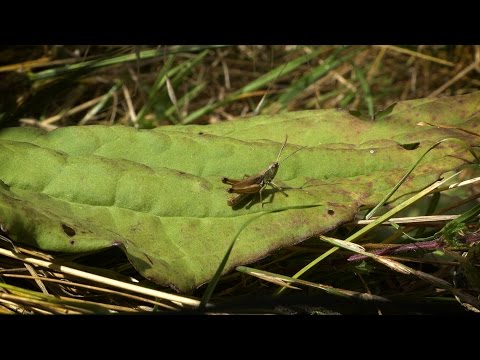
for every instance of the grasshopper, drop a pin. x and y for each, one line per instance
(256, 183)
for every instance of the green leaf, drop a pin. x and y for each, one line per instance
(158, 193)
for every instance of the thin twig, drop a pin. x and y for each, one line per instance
(72, 111)
(411, 220)
(417, 54)
(131, 110)
(453, 80)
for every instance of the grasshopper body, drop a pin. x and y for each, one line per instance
(256, 183)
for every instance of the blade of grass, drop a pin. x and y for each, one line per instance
(402, 180)
(173, 98)
(403, 269)
(455, 222)
(187, 66)
(347, 99)
(157, 85)
(185, 99)
(373, 225)
(96, 64)
(263, 80)
(332, 62)
(264, 97)
(176, 80)
(215, 279)
(366, 90)
(177, 74)
(283, 69)
(276, 278)
(452, 227)
(101, 104)
(317, 100)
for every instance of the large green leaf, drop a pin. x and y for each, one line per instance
(157, 193)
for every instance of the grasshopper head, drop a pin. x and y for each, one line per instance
(271, 171)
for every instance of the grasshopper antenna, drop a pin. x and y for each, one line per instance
(280, 152)
(303, 147)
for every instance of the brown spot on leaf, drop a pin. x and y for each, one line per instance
(331, 211)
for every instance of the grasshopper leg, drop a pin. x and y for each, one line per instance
(272, 184)
(260, 193)
(278, 188)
